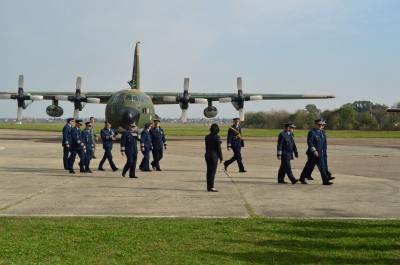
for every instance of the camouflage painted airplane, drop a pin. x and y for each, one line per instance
(134, 105)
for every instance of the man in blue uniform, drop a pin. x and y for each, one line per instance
(108, 136)
(285, 149)
(315, 153)
(66, 141)
(158, 141)
(88, 139)
(129, 149)
(77, 147)
(146, 146)
(235, 142)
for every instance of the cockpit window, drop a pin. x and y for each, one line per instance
(135, 98)
(116, 97)
(128, 97)
(142, 99)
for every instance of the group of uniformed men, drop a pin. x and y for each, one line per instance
(152, 139)
(82, 143)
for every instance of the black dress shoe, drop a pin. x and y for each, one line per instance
(134, 177)
(115, 169)
(309, 178)
(327, 183)
(152, 165)
(330, 177)
(303, 182)
(282, 182)
(242, 171)
(158, 169)
(101, 169)
(213, 190)
(82, 171)
(123, 174)
(72, 172)
(295, 181)
(225, 167)
(94, 157)
(89, 171)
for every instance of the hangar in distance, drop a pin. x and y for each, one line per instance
(134, 105)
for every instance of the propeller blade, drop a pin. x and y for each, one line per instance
(93, 100)
(225, 100)
(76, 113)
(60, 97)
(200, 101)
(37, 98)
(253, 98)
(241, 114)
(239, 83)
(184, 115)
(21, 81)
(5, 96)
(19, 115)
(79, 82)
(169, 98)
(186, 84)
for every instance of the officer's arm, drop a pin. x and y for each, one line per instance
(123, 139)
(296, 154)
(65, 136)
(103, 135)
(163, 139)
(279, 146)
(229, 138)
(311, 147)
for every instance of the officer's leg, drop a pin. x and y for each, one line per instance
(133, 166)
(81, 154)
(155, 158)
(88, 158)
(281, 172)
(321, 167)
(326, 166)
(308, 168)
(128, 164)
(238, 158)
(110, 159)
(72, 161)
(288, 170)
(142, 162)
(103, 159)
(147, 161)
(65, 157)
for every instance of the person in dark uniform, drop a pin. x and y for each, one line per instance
(77, 147)
(146, 146)
(285, 149)
(159, 143)
(129, 149)
(213, 153)
(315, 153)
(108, 136)
(235, 142)
(66, 141)
(88, 139)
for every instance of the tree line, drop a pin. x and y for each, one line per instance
(359, 115)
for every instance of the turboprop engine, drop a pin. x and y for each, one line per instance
(210, 112)
(54, 111)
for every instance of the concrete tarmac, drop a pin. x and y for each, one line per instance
(34, 183)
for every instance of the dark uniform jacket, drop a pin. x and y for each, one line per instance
(213, 147)
(106, 137)
(129, 142)
(234, 137)
(66, 132)
(88, 140)
(158, 138)
(316, 142)
(145, 140)
(77, 140)
(286, 145)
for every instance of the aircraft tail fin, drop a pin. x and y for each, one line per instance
(135, 82)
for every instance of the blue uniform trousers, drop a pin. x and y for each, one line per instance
(72, 159)
(157, 156)
(109, 157)
(65, 158)
(285, 168)
(236, 156)
(88, 157)
(144, 165)
(309, 167)
(130, 165)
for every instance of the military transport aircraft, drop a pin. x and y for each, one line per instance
(132, 104)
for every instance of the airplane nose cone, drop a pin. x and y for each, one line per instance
(127, 115)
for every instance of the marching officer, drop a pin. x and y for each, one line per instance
(285, 149)
(66, 141)
(87, 137)
(315, 153)
(77, 147)
(146, 146)
(159, 143)
(108, 136)
(129, 148)
(235, 142)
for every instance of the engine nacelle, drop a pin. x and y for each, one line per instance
(54, 111)
(210, 112)
(236, 105)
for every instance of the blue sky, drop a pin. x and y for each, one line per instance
(346, 48)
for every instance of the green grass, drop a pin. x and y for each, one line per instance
(202, 130)
(197, 241)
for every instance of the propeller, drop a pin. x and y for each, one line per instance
(78, 100)
(21, 97)
(185, 99)
(238, 99)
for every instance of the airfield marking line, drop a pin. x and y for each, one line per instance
(249, 209)
(30, 197)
